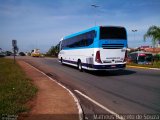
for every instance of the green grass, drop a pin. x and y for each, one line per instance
(154, 65)
(15, 88)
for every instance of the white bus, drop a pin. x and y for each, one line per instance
(141, 57)
(98, 48)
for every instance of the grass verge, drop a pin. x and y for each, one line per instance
(154, 65)
(15, 88)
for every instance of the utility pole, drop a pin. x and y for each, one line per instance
(15, 48)
(134, 31)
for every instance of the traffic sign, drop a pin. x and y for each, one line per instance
(15, 48)
(14, 43)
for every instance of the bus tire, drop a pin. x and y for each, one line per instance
(62, 61)
(80, 66)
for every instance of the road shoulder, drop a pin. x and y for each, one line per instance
(52, 100)
(140, 67)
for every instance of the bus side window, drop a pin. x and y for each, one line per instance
(93, 33)
(90, 38)
(82, 40)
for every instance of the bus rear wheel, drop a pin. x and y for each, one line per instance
(80, 66)
(62, 61)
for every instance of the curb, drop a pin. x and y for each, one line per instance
(80, 112)
(130, 66)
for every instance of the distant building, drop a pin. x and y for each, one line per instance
(1, 50)
(153, 50)
(142, 48)
(146, 49)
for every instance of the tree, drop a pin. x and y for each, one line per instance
(53, 51)
(153, 33)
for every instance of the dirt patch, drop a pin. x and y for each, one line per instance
(52, 102)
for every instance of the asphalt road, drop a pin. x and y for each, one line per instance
(130, 91)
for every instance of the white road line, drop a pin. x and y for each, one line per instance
(100, 105)
(74, 97)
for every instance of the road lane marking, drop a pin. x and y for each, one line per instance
(74, 97)
(100, 105)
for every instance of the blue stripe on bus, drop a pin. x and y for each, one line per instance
(113, 66)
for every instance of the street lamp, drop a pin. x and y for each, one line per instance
(95, 6)
(134, 33)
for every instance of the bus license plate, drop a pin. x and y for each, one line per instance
(113, 66)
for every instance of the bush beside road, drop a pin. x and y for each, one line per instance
(15, 88)
(153, 65)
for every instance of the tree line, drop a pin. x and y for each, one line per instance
(53, 51)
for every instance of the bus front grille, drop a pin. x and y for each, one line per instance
(112, 46)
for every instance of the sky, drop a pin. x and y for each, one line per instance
(42, 23)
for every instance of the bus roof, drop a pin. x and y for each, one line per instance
(87, 30)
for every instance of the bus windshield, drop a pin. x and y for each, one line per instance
(112, 33)
(141, 58)
(149, 57)
(145, 58)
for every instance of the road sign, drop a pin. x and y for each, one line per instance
(15, 49)
(14, 43)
